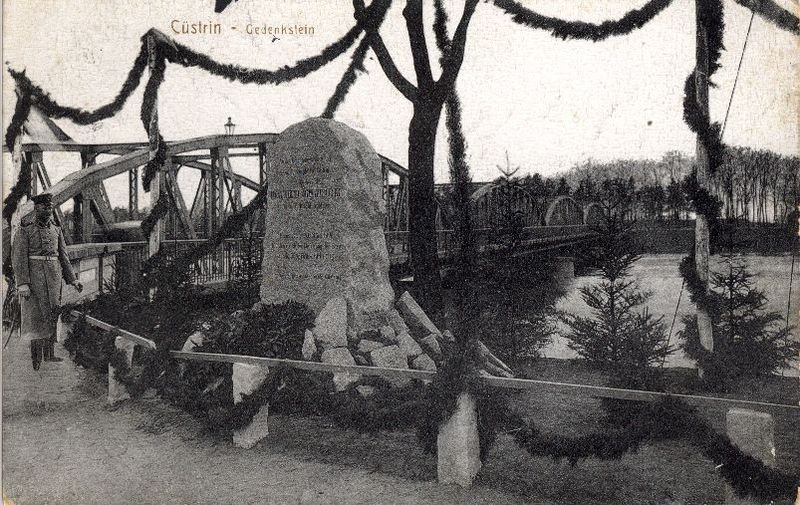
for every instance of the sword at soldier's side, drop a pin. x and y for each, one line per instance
(12, 313)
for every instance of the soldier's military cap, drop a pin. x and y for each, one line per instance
(44, 199)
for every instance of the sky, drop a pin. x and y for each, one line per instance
(545, 103)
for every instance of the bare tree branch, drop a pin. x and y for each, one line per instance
(419, 48)
(394, 75)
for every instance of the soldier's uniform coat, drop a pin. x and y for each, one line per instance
(40, 260)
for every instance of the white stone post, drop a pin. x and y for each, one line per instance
(754, 434)
(246, 379)
(458, 445)
(63, 329)
(116, 390)
(565, 268)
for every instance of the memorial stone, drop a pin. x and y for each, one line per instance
(324, 223)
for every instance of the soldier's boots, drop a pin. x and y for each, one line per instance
(36, 353)
(43, 350)
(49, 351)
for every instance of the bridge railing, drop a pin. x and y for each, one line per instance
(221, 265)
(218, 266)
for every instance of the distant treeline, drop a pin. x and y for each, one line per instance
(753, 185)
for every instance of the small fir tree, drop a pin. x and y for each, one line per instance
(513, 305)
(619, 336)
(749, 341)
(504, 299)
(509, 220)
(247, 265)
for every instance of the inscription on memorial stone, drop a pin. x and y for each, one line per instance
(324, 235)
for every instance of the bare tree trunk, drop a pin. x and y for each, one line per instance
(702, 239)
(428, 97)
(422, 204)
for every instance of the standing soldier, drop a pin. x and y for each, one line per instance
(40, 261)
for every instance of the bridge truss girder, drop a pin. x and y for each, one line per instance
(218, 193)
(178, 212)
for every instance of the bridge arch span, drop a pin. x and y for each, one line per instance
(492, 200)
(594, 214)
(564, 210)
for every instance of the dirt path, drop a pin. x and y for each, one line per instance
(62, 445)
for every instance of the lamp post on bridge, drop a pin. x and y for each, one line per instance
(230, 127)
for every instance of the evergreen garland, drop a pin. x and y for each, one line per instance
(149, 116)
(711, 16)
(348, 78)
(375, 20)
(23, 184)
(387, 409)
(21, 110)
(152, 367)
(580, 30)
(773, 13)
(187, 57)
(178, 53)
(449, 382)
(155, 267)
(426, 407)
(460, 175)
(79, 116)
(289, 392)
(695, 286)
(159, 210)
(703, 203)
(167, 50)
(86, 347)
(669, 419)
(235, 416)
(443, 41)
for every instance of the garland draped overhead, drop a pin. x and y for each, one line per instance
(580, 30)
(23, 184)
(165, 49)
(79, 116)
(149, 114)
(349, 77)
(356, 65)
(773, 13)
(183, 55)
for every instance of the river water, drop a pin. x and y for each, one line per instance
(658, 273)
